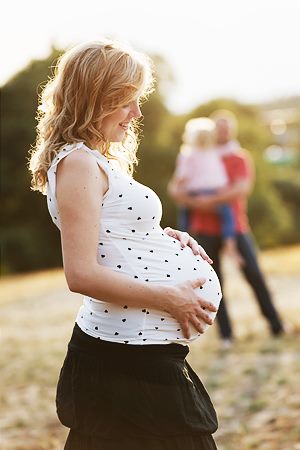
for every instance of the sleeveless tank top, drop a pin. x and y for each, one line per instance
(132, 242)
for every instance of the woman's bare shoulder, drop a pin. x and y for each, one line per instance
(78, 158)
(80, 166)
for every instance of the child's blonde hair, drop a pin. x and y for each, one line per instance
(90, 82)
(199, 132)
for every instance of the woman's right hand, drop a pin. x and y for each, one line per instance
(187, 307)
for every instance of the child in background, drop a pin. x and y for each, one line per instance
(200, 170)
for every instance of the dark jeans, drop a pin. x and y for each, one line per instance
(252, 273)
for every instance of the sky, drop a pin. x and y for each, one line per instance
(244, 49)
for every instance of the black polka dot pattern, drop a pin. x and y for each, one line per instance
(131, 242)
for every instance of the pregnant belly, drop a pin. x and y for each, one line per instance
(187, 266)
(167, 264)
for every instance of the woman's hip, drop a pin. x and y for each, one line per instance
(106, 388)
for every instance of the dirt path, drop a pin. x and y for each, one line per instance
(254, 385)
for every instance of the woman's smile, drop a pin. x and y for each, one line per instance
(124, 125)
(120, 120)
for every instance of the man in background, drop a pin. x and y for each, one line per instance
(204, 222)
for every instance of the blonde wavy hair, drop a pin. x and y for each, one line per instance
(90, 82)
(198, 132)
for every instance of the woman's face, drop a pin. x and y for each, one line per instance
(116, 124)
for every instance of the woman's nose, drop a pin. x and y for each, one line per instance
(136, 111)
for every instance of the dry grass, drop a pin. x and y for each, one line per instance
(253, 385)
(282, 261)
(16, 288)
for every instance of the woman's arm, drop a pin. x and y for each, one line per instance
(80, 187)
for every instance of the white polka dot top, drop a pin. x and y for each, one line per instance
(132, 242)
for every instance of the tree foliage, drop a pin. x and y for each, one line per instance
(30, 239)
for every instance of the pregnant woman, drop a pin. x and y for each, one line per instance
(147, 292)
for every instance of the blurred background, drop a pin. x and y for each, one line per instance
(241, 56)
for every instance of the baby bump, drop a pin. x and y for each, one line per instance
(194, 266)
(184, 265)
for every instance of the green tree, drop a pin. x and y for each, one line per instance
(29, 240)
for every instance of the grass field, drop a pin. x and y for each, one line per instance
(254, 385)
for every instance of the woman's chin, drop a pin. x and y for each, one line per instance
(118, 136)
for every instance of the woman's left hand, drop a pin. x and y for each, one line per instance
(186, 240)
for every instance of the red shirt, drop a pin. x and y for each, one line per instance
(238, 166)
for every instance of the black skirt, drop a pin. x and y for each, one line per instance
(121, 396)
